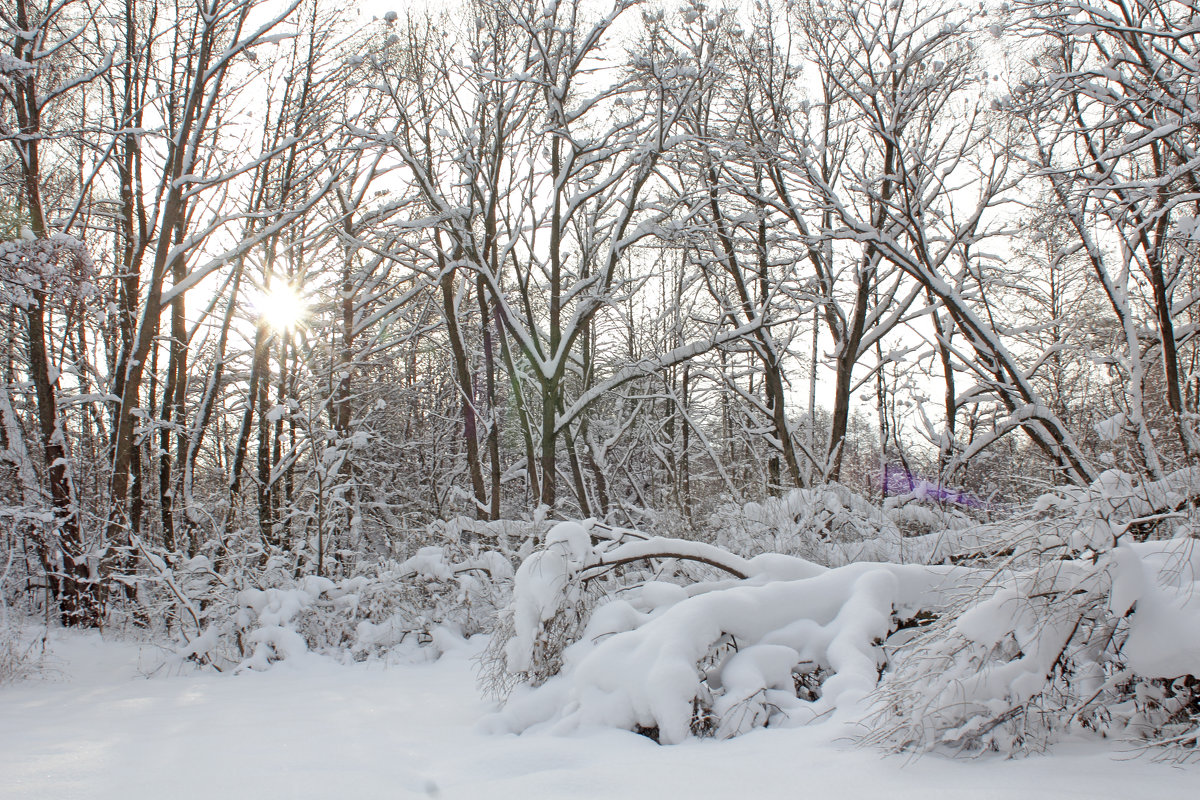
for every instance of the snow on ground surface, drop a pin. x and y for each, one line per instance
(94, 726)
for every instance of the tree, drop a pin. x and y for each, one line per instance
(538, 180)
(922, 191)
(1112, 117)
(45, 272)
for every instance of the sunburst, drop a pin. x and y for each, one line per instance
(282, 307)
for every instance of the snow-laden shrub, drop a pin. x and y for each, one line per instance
(915, 517)
(514, 538)
(22, 643)
(21, 649)
(450, 589)
(1083, 628)
(727, 660)
(1080, 615)
(778, 639)
(544, 617)
(556, 588)
(240, 604)
(832, 525)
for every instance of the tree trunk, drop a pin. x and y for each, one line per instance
(462, 377)
(78, 599)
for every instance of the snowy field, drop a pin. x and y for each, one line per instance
(97, 725)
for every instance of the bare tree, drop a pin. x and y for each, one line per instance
(539, 181)
(921, 194)
(41, 71)
(1112, 116)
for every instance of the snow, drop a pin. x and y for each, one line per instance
(624, 674)
(1163, 589)
(1079, 629)
(11, 65)
(1110, 429)
(544, 588)
(98, 726)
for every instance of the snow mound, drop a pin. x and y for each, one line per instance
(725, 661)
(715, 657)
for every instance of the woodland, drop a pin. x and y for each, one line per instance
(728, 366)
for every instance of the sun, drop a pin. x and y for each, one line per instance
(281, 307)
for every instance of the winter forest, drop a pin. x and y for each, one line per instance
(710, 368)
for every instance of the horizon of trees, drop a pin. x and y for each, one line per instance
(591, 257)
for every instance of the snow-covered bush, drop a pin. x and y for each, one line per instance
(21, 649)
(583, 563)
(1080, 615)
(22, 643)
(777, 639)
(1083, 627)
(452, 589)
(832, 525)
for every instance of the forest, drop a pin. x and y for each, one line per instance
(729, 366)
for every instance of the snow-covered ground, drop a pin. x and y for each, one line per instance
(95, 725)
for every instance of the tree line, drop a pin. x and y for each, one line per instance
(621, 260)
